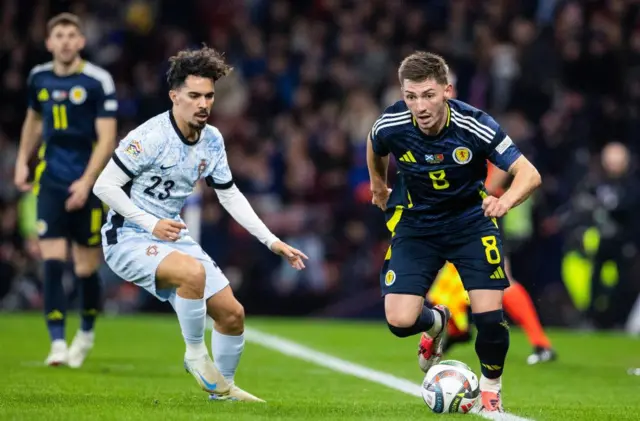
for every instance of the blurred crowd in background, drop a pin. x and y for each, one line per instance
(562, 77)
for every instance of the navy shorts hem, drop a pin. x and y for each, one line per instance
(500, 287)
(403, 292)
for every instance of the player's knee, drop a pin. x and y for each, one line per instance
(194, 276)
(233, 319)
(189, 274)
(401, 321)
(84, 269)
(492, 327)
(86, 261)
(400, 318)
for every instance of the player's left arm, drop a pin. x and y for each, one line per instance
(106, 128)
(241, 210)
(526, 179)
(505, 155)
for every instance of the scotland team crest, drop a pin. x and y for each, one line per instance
(78, 95)
(462, 155)
(389, 278)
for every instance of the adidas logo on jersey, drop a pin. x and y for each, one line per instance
(408, 157)
(498, 274)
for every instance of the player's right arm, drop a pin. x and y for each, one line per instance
(378, 164)
(29, 137)
(128, 161)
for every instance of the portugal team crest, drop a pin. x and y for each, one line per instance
(78, 95)
(202, 167)
(389, 278)
(152, 250)
(462, 155)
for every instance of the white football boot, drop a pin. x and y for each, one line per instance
(207, 375)
(59, 354)
(431, 347)
(80, 347)
(235, 394)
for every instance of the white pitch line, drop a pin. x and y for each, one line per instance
(293, 349)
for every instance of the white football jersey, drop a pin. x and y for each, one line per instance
(164, 169)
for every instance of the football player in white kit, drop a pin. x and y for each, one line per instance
(145, 241)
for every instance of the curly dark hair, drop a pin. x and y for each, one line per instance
(204, 62)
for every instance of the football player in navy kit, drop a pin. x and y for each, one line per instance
(439, 210)
(72, 105)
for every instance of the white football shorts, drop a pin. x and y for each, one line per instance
(136, 257)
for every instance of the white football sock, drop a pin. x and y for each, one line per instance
(192, 316)
(226, 351)
(437, 324)
(490, 385)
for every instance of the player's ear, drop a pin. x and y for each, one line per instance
(82, 42)
(47, 43)
(173, 96)
(448, 91)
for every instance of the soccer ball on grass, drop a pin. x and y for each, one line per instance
(450, 386)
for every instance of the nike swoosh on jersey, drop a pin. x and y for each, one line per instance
(162, 167)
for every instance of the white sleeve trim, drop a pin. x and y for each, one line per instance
(108, 188)
(240, 209)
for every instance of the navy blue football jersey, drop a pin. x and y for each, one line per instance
(440, 182)
(69, 106)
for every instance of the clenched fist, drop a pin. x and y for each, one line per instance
(494, 207)
(380, 196)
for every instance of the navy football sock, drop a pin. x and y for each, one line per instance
(492, 342)
(423, 323)
(91, 294)
(54, 298)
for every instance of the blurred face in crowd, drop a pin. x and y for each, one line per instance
(193, 100)
(65, 41)
(426, 100)
(615, 159)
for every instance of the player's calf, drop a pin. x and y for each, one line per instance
(492, 345)
(188, 277)
(227, 337)
(86, 261)
(54, 254)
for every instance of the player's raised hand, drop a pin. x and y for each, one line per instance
(168, 229)
(79, 192)
(293, 256)
(20, 177)
(494, 207)
(380, 196)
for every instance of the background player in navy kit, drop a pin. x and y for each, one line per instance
(72, 105)
(439, 211)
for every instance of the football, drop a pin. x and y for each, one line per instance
(450, 387)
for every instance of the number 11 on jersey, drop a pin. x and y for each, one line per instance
(60, 117)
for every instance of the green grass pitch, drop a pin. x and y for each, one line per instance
(135, 373)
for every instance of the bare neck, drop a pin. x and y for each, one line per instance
(63, 69)
(187, 131)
